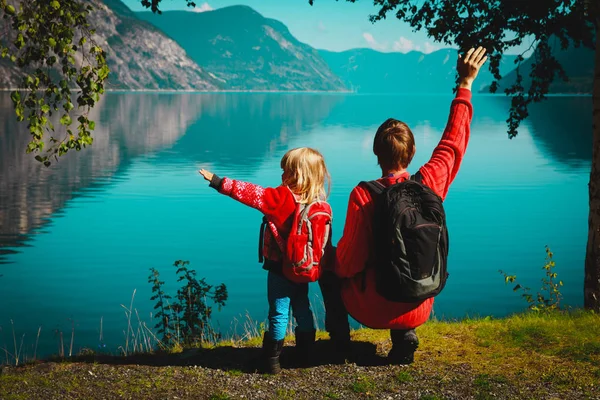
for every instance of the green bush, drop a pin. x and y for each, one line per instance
(186, 321)
(549, 296)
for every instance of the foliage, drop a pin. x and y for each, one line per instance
(52, 44)
(499, 26)
(549, 296)
(153, 4)
(187, 319)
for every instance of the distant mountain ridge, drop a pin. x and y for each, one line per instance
(236, 48)
(245, 51)
(370, 71)
(139, 55)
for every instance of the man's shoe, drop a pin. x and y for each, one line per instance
(404, 345)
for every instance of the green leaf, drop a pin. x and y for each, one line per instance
(104, 71)
(52, 42)
(31, 147)
(55, 4)
(45, 108)
(92, 125)
(66, 120)
(15, 96)
(20, 41)
(10, 10)
(517, 287)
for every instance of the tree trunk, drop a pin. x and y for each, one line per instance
(591, 286)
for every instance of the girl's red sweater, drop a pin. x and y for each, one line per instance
(368, 307)
(277, 204)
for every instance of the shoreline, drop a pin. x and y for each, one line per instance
(192, 91)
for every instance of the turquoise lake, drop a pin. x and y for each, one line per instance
(77, 239)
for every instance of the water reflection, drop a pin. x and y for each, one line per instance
(127, 126)
(562, 127)
(232, 129)
(239, 130)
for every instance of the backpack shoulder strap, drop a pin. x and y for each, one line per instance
(418, 177)
(374, 187)
(261, 238)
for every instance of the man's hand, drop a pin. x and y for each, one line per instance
(468, 67)
(206, 174)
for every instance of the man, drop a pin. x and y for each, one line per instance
(349, 286)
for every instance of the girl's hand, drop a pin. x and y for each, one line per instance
(468, 67)
(206, 174)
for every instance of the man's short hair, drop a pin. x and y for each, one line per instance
(394, 145)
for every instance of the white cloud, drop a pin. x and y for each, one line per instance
(374, 44)
(202, 8)
(403, 45)
(429, 48)
(321, 27)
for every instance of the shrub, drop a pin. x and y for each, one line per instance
(186, 320)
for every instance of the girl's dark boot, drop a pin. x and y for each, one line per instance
(271, 350)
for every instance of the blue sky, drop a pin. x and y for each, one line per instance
(328, 24)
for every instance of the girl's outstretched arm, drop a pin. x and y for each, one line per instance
(276, 203)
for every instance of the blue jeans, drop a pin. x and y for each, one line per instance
(282, 293)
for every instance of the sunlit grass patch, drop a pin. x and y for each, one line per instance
(363, 384)
(404, 376)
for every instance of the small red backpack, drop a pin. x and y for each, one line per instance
(305, 246)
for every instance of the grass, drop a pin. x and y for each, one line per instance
(219, 396)
(404, 376)
(530, 354)
(363, 384)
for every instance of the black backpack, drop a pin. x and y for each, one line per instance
(411, 240)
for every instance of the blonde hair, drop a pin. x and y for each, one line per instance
(305, 174)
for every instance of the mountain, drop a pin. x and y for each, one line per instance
(370, 71)
(578, 64)
(246, 51)
(140, 56)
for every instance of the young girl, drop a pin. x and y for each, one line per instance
(302, 182)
